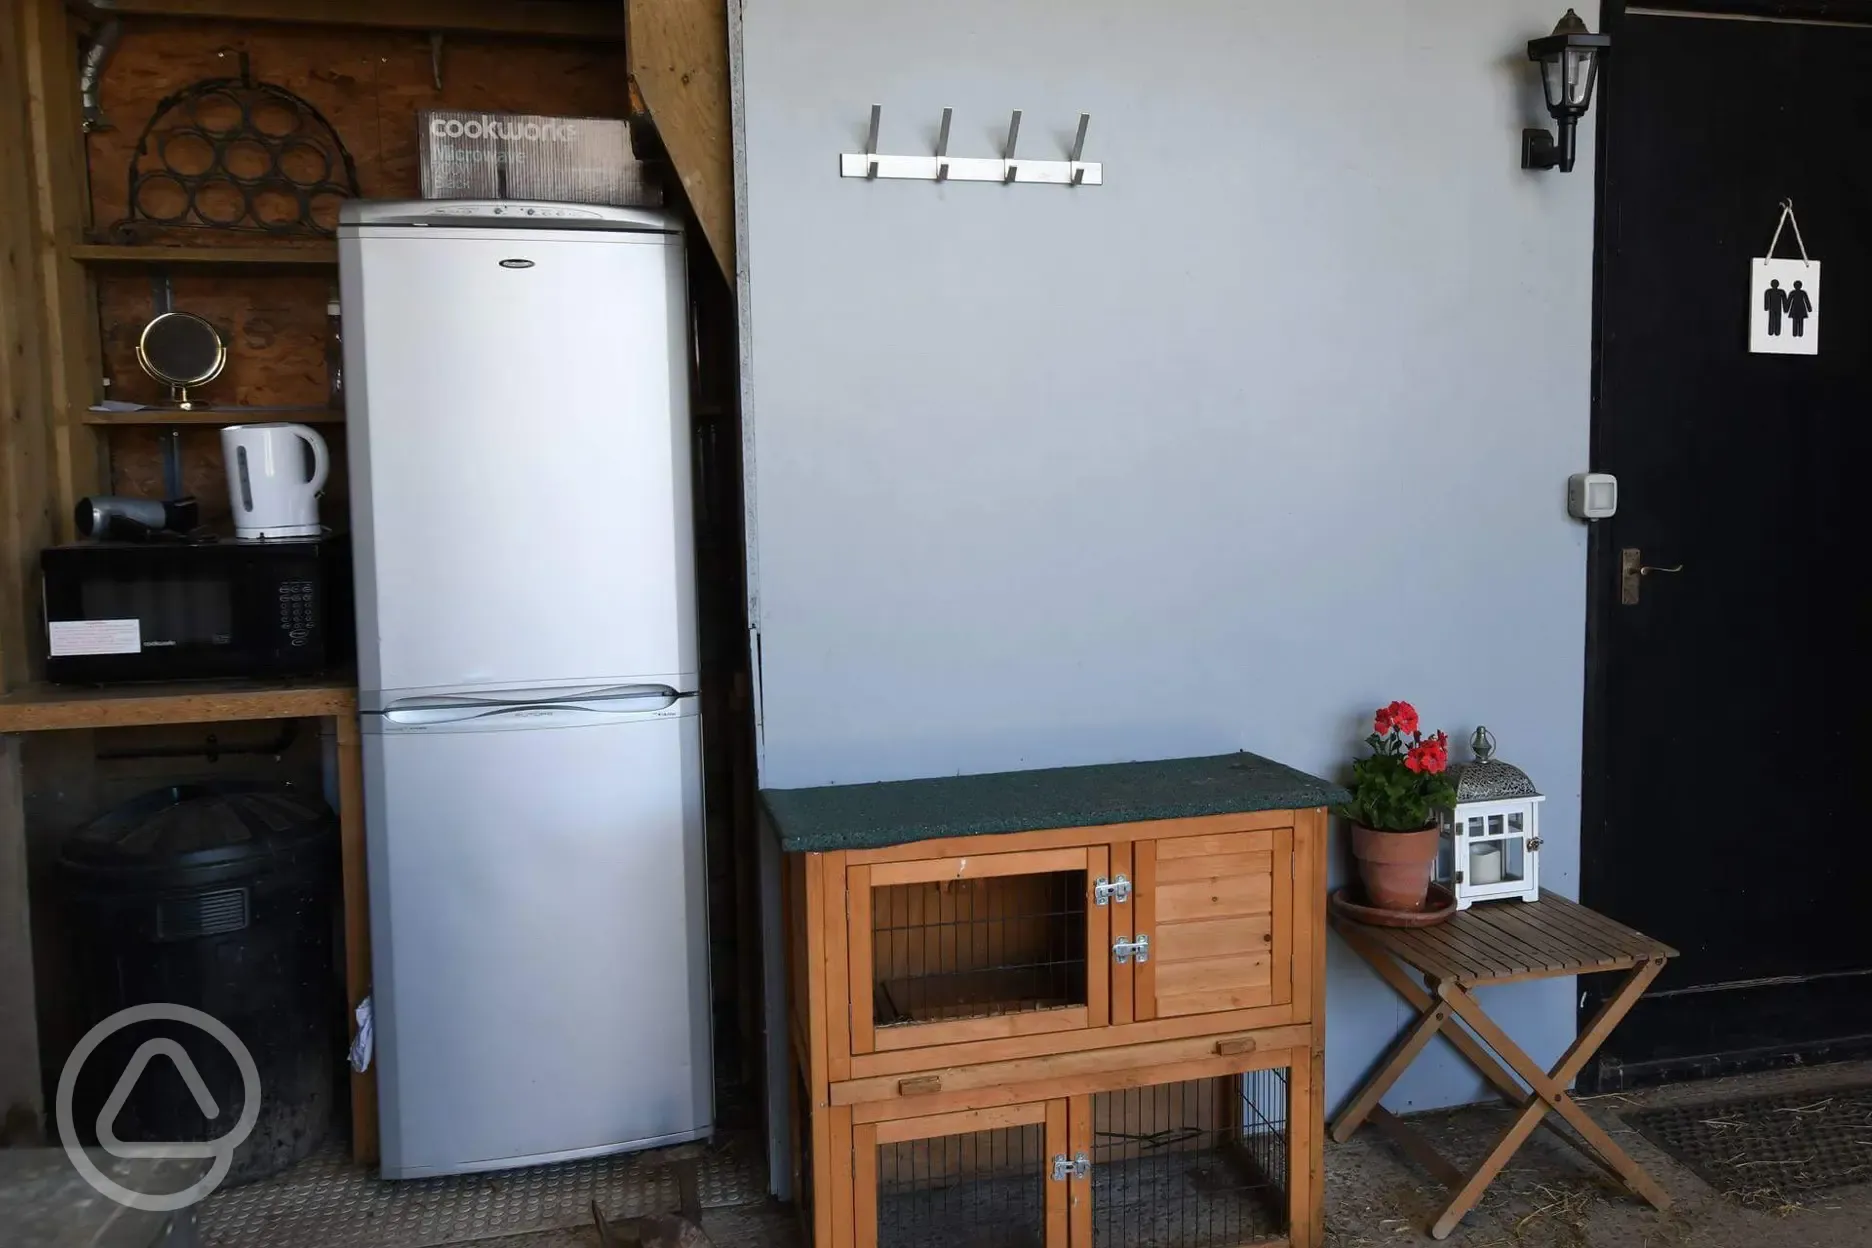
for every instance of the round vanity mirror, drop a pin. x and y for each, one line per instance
(181, 350)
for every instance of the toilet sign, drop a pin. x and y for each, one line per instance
(1785, 295)
(1784, 298)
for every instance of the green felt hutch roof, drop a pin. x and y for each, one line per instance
(869, 816)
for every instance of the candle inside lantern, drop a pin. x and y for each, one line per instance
(1485, 863)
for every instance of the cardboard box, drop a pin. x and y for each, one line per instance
(583, 160)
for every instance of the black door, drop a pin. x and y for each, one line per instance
(1728, 721)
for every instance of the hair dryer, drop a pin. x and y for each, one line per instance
(108, 517)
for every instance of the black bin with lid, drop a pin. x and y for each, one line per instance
(219, 897)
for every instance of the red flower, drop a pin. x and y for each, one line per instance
(1428, 757)
(1399, 715)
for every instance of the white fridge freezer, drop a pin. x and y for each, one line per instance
(516, 385)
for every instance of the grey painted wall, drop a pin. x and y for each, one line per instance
(1269, 429)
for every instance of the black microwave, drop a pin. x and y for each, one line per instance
(193, 609)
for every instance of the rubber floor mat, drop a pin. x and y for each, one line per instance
(1769, 1150)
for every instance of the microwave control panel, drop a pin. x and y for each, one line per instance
(298, 611)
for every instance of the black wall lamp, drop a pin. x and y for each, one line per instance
(1569, 66)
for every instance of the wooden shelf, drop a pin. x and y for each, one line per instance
(45, 708)
(168, 416)
(279, 255)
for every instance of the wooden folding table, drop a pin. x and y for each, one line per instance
(1502, 942)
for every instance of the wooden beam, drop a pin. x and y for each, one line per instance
(26, 409)
(552, 19)
(679, 59)
(25, 526)
(70, 350)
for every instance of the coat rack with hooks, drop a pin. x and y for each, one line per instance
(940, 166)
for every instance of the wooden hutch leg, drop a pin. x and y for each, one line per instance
(864, 1170)
(836, 1181)
(1077, 1113)
(1309, 1151)
(1306, 1194)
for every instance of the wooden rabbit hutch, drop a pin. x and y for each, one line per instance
(132, 184)
(1077, 1007)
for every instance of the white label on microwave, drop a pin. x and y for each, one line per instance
(69, 637)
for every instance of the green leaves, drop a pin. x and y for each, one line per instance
(1388, 795)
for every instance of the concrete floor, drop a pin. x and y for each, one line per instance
(1551, 1197)
(750, 1226)
(1548, 1197)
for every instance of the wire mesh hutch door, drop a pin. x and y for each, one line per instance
(944, 951)
(972, 1179)
(1201, 1163)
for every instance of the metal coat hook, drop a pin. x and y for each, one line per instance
(942, 146)
(1008, 168)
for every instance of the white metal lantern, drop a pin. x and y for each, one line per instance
(1491, 837)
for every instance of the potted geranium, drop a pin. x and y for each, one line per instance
(1396, 793)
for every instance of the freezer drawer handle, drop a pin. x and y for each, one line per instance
(1125, 950)
(449, 709)
(525, 698)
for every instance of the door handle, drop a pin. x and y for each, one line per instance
(1632, 571)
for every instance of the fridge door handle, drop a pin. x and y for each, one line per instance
(438, 710)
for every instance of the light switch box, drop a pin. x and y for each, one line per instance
(1592, 495)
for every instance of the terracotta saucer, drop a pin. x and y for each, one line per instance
(1438, 908)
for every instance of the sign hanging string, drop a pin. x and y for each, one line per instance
(1787, 218)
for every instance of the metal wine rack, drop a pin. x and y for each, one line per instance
(237, 154)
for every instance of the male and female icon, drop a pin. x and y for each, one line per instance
(1795, 304)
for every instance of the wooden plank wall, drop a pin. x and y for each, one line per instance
(370, 85)
(26, 488)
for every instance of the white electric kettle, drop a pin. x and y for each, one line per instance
(273, 483)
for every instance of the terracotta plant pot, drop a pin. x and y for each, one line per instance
(1395, 867)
